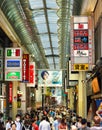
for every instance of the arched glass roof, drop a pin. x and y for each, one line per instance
(43, 27)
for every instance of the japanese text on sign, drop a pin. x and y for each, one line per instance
(80, 66)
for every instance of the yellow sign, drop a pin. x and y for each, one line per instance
(81, 67)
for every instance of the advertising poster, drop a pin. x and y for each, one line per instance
(49, 78)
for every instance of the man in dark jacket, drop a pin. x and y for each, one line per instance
(84, 124)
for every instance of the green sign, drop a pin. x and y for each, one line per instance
(11, 76)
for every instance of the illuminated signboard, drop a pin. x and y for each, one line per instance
(81, 43)
(13, 53)
(80, 52)
(13, 63)
(13, 75)
(31, 74)
(80, 26)
(78, 33)
(25, 68)
(81, 39)
(80, 67)
(79, 46)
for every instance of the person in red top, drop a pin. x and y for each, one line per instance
(63, 125)
(34, 125)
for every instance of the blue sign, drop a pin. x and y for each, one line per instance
(13, 63)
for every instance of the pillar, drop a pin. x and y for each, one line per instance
(82, 98)
(14, 103)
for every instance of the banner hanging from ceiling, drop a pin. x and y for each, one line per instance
(49, 78)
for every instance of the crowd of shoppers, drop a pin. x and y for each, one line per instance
(51, 119)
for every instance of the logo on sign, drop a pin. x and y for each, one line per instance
(15, 63)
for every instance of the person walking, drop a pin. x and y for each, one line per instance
(63, 125)
(84, 125)
(44, 125)
(18, 123)
(8, 124)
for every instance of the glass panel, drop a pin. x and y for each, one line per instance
(57, 66)
(52, 16)
(38, 13)
(48, 51)
(51, 66)
(44, 38)
(42, 28)
(54, 44)
(46, 45)
(53, 28)
(56, 51)
(57, 59)
(34, 4)
(51, 4)
(50, 59)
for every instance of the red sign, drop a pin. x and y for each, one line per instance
(25, 68)
(10, 92)
(31, 74)
(80, 33)
(80, 46)
(80, 25)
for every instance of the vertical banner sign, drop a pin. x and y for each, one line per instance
(10, 92)
(31, 75)
(81, 43)
(25, 68)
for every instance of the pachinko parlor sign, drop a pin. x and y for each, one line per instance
(13, 75)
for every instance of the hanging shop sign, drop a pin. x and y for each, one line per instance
(80, 46)
(82, 33)
(13, 75)
(31, 74)
(13, 63)
(81, 67)
(80, 25)
(80, 52)
(13, 53)
(25, 68)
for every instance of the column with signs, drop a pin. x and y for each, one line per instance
(13, 64)
(81, 44)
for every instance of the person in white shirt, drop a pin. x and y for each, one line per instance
(44, 125)
(18, 123)
(8, 124)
